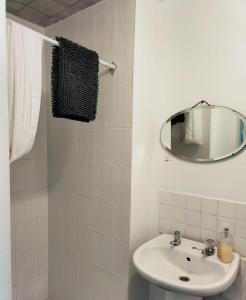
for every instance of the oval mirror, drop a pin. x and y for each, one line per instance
(204, 133)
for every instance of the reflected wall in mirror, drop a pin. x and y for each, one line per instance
(204, 133)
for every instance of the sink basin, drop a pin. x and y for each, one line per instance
(182, 269)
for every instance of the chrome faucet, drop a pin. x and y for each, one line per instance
(209, 249)
(176, 238)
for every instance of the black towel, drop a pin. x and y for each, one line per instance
(74, 81)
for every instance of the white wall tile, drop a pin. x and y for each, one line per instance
(101, 284)
(240, 246)
(122, 190)
(27, 290)
(122, 138)
(199, 225)
(11, 168)
(95, 168)
(23, 175)
(125, 33)
(227, 210)
(172, 213)
(42, 245)
(178, 214)
(13, 253)
(84, 255)
(105, 28)
(104, 144)
(42, 285)
(25, 236)
(172, 199)
(103, 216)
(124, 77)
(193, 218)
(85, 184)
(120, 289)
(39, 150)
(178, 200)
(165, 226)
(96, 180)
(29, 175)
(225, 222)
(106, 182)
(106, 110)
(24, 206)
(241, 229)
(85, 134)
(193, 233)
(193, 202)
(180, 227)
(85, 282)
(122, 225)
(103, 251)
(241, 212)
(209, 206)
(64, 176)
(209, 222)
(166, 212)
(121, 259)
(29, 213)
(14, 292)
(207, 234)
(104, 285)
(84, 37)
(30, 205)
(85, 210)
(122, 103)
(41, 197)
(26, 265)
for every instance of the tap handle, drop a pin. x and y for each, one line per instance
(176, 235)
(209, 243)
(176, 238)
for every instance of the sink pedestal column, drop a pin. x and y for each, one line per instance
(176, 296)
(160, 294)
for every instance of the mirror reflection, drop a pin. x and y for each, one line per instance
(204, 133)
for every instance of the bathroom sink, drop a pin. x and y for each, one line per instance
(182, 268)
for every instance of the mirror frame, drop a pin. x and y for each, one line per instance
(202, 160)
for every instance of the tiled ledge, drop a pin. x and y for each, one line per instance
(200, 217)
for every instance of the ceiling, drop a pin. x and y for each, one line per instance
(46, 12)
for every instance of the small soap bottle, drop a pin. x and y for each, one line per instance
(225, 246)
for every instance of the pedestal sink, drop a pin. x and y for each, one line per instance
(182, 269)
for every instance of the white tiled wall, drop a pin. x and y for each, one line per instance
(89, 170)
(29, 218)
(200, 218)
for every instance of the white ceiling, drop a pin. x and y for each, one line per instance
(46, 12)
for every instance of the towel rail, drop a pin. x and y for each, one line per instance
(111, 66)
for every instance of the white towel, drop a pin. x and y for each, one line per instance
(24, 87)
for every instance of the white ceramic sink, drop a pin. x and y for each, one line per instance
(162, 264)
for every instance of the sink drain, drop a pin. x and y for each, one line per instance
(184, 278)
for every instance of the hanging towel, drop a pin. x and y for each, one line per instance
(24, 87)
(74, 81)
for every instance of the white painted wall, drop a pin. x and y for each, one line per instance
(5, 264)
(201, 51)
(185, 51)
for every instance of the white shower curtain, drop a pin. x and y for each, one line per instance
(24, 87)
